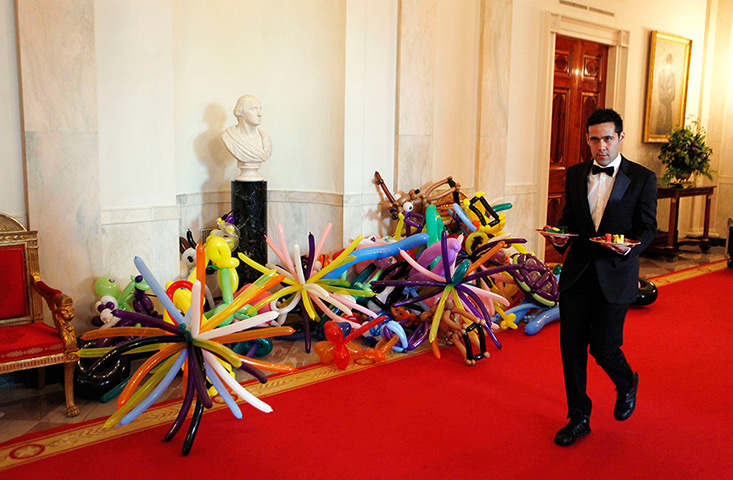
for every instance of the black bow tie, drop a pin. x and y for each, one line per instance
(607, 170)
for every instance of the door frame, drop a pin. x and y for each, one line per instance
(618, 61)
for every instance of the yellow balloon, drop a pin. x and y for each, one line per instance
(182, 299)
(439, 313)
(217, 249)
(212, 390)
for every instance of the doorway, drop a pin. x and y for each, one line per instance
(578, 88)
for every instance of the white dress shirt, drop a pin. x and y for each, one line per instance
(599, 189)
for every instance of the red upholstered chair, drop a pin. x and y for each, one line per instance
(25, 341)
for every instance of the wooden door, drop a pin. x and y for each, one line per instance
(579, 87)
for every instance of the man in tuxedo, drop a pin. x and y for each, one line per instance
(599, 281)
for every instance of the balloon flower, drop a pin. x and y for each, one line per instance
(454, 284)
(307, 286)
(192, 345)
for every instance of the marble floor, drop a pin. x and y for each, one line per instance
(25, 410)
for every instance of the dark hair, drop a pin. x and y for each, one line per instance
(603, 115)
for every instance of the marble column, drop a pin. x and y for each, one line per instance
(415, 93)
(249, 207)
(56, 46)
(493, 118)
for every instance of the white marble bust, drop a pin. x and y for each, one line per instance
(246, 141)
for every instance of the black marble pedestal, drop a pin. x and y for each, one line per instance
(249, 207)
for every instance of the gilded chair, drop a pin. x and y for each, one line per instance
(25, 340)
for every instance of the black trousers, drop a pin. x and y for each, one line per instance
(588, 323)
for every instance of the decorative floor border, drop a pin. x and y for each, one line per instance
(689, 273)
(33, 447)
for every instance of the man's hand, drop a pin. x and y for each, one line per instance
(620, 248)
(555, 235)
(558, 240)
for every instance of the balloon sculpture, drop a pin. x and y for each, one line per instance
(192, 343)
(309, 288)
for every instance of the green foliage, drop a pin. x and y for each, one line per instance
(685, 154)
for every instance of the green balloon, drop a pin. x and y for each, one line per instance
(460, 272)
(433, 224)
(106, 286)
(501, 207)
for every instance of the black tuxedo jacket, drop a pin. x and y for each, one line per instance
(631, 210)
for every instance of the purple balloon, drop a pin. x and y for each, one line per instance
(431, 253)
(480, 304)
(146, 320)
(198, 375)
(186, 405)
(444, 256)
(311, 251)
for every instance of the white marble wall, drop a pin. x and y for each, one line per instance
(415, 93)
(56, 42)
(150, 233)
(200, 210)
(520, 218)
(12, 192)
(301, 213)
(494, 97)
(56, 50)
(365, 214)
(370, 104)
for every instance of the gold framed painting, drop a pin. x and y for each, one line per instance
(666, 93)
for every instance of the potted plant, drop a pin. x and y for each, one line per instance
(686, 155)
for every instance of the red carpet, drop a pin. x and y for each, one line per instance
(430, 419)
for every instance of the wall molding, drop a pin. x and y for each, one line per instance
(362, 199)
(522, 189)
(301, 196)
(155, 213)
(585, 30)
(274, 196)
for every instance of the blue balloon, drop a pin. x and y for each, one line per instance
(159, 291)
(519, 311)
(223, 393)
(157, 391)
(380, 251)
(396, 329)
(464, 218)
(548, 316)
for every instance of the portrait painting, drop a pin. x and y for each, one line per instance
(666, 95)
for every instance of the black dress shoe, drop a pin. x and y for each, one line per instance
(626, 401)
(579, 426)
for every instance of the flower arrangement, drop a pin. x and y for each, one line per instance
(685, 154)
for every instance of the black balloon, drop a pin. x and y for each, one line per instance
(93, 386)
(647, 293)
(193, 427)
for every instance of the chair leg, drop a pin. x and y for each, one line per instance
(71, 409)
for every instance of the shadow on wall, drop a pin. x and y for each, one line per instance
(211, 151)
